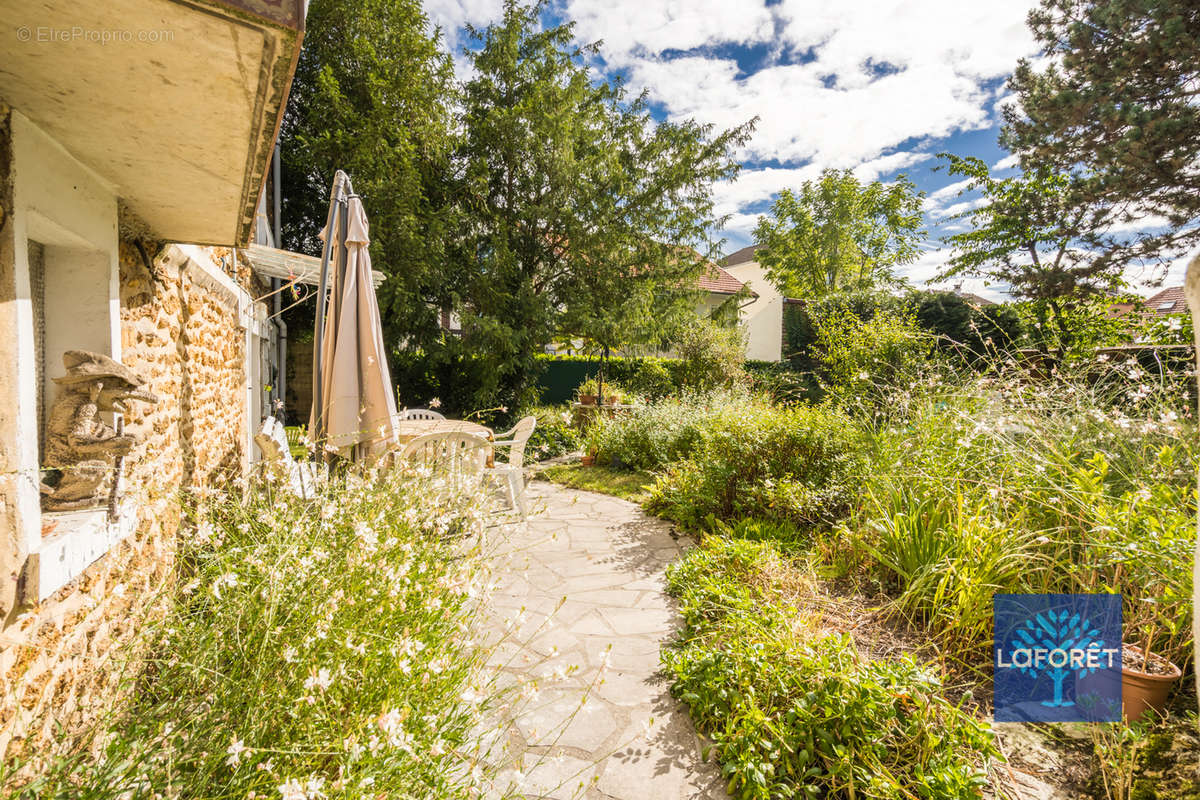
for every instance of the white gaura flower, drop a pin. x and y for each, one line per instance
(290, 655)
(366, 535)
(647, 727)
(228, 579)
(313, 788)
(235, 751)
(292, 789)
(319, 679)
(472, 697)
(390, 720)
(205, 532)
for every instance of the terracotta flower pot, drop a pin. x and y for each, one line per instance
(587, 399)
(1141, 691)
(588, 461)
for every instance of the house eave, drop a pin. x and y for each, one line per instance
(176, 105)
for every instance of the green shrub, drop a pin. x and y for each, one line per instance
(318, 644)
(651, 379)
(794, 713)
(963, 329)
(710, 355)
(554, 435)
(783, 464)
(857, 356)
(659, 433)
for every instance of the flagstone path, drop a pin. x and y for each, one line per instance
(581, 612)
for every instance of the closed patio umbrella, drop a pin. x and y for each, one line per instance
(353, 406)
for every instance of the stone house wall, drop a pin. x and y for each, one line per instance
(61, 661)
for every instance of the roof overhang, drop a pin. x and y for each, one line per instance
(291, 267)
(175, 104)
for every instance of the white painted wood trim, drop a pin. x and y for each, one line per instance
(78, 540)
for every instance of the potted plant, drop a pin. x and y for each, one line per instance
(1146, 677)
(587, 392)
(613, 395)
(590, 446)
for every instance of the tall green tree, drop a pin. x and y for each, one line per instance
(1115, 101)
(838, 233)
(373, 96)
(582, 215)
(1030, 235)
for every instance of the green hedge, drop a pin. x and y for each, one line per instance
(652, 377)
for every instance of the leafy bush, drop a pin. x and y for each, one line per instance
(651, 379)
(554, 435)
(796, 713)
(785, 464)
(858, 356)
(992, 484)
(963, 329)
(782, 382)
(311, 649)
(710, 355)
(659, 433)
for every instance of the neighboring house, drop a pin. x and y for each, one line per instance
(1168, 301)
(719, 287)
(761, 317)
(972, 299)
(136, 140)
(1163, 303)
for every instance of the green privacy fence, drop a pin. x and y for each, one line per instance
(561, 375)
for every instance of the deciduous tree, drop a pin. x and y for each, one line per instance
(1029, 235)
(372, 96)
(837, 233)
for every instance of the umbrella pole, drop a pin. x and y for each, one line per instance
(318, 415)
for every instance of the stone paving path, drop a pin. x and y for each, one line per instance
(580, 611)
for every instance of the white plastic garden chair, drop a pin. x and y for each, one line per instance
(300, 477)
(462, 456)
(418, 413)
(512, 473)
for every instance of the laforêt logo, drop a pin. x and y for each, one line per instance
(1057, 657)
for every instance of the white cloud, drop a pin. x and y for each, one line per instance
(741, 226)
(758, 185)
(964, 206)
(1008, 162)
(647, 27)
(842, 84)
(938, 198)
(934, 48)
(755, 185)
(873, 169)
(922, 272)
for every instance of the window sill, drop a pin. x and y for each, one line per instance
(71, 542)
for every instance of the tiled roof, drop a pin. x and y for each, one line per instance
(1168, 301)
(975, 300)
(718, 280)
(741, 256)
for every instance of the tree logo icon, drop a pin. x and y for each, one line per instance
(1046, 645)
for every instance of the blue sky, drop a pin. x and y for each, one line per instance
(877, 86)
